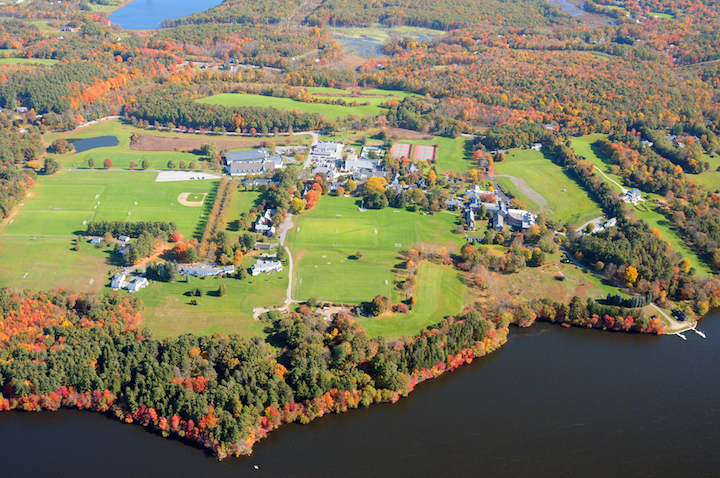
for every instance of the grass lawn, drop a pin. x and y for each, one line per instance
(242, 202)
(60, 203)
(16, 61)
(567, 201)
(331, 111)
(325, 239)
(711, 178)
(170, 313)
(50, 262)
(450, 154)
(440, 293)
(583, 146)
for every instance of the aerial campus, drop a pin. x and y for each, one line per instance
(220, 230)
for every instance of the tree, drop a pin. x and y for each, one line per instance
(145, 163)
(91, 162)
(238, 257)
(51, 166)
(182, 165)
(375, 185)
(358, 255)
(350, 186)
(297, 206)
(222, 290)
(209, 150)
(78, 241)
(379, 305)
(340, 191)
(192, 255)
(432, 178)
(631, 276)
(133, 164)
(171, 164)
(108, 238)
(108, 163)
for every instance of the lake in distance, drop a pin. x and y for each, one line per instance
(148, 14)
(553, 402)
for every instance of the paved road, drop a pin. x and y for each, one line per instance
(597, 221)
(315, 138)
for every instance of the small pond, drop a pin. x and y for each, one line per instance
(92, 143)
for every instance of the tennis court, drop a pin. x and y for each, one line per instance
(424, 152)
(400, 150)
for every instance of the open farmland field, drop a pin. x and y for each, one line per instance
(330, 111)
(440, 293)
(566, 200)
(59, 204)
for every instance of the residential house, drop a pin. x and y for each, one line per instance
(95, 239)
(123, 239)
(633, 196)
(265, 246)
(264, 224)
(266, 266)
(470, 219)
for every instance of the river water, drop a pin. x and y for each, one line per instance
(552, 402)
(148, 14)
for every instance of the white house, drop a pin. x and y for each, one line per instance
(132, 284)
(266, 266)
(633, 196)
(264, 224)
(136, 283)
(124, 239)
(118, 281)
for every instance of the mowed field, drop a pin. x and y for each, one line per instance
(18, 61)
(169, 312)
(59, 204)
(330, 111)
(44, 263)
(440, 293)
(566, 200)
(324, 242)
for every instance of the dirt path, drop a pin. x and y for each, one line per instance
(525, 188)
(622, 189)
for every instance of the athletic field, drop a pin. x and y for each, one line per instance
(324, 242)
(59, 204)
